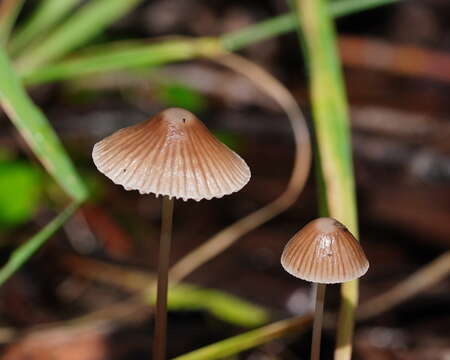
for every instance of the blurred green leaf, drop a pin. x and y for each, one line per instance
(179, 95)
(36, 130)
(230, 139)
(21, 186)
(218, 303)
(47, 14)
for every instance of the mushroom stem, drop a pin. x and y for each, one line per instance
(159, 345)
(319, 290)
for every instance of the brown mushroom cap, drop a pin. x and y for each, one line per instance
(171, 154)
(324, 251)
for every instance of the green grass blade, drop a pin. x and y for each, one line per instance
(115, 58)
(331, 120)
(343, 7)
(248, 340)
(221, 305)
(47, 14)
(9, 10)
(81, 27)
(267, 29)
(37, 131)
(283, 24)
(23, 252)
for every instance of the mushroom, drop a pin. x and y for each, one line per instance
(174, 155)
(323, 252)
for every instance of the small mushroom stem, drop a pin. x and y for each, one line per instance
(319, 290)
(159, 345)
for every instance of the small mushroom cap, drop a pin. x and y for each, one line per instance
(324, 251)
(171, 154)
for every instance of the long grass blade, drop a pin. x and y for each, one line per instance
(23, 252)
(116, 57)
(81, 27)
(415, 284)
(222, 305)
(283, 24)
(331, 120)
(36, 130)
(47, 14)
(248, 340)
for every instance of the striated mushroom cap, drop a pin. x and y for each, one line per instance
(171, 154)
(324, 251)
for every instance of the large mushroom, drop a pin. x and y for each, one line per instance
(174, 155)
(323, 252)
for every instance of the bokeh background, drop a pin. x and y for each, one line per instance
(397, 64)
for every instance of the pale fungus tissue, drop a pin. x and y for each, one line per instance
(323, 252)
(174, 155)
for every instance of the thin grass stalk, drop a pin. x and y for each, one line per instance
(28, 248)
(116, 57)
(236, 344)
(419, 281)
(286, 23)
(333, 136)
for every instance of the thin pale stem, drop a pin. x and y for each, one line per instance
(159, 345)
(319, 290)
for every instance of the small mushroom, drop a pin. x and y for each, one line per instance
(174, 155)
(171, 154)
(323, 252)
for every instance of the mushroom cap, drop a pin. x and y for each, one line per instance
(171, 154)
(324, 251)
